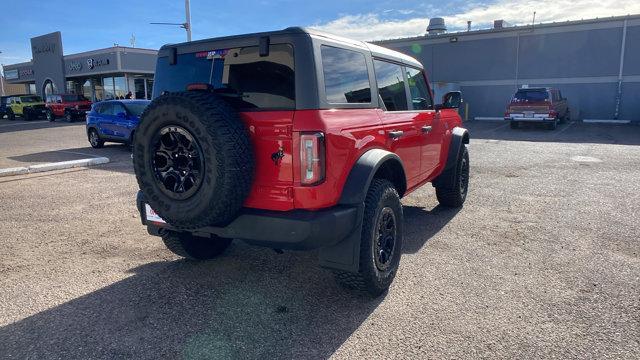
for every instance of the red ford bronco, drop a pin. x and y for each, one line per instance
(298, 140)
(67, 106)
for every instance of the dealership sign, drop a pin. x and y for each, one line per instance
(74, 66)
(11, 74)
(93, 63)
(26, 73)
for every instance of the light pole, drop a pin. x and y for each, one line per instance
(185, 25)
(2, 77)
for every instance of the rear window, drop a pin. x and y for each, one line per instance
(247, 80)
(530, 96)
(136, 108)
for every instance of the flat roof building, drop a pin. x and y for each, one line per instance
(595, 63)
(99, 74)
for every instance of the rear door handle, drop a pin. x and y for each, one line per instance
(427, 129)
(396, 134)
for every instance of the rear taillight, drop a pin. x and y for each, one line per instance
(553, 113)
(507, 113)
(312, 161)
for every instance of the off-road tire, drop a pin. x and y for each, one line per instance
(194, 247)
(10, 114)
(26, 114)
(228, 158)
(98, 143)
(51, 116)
(452, 189)
(514, 124)
(369, 278)
(68, 117)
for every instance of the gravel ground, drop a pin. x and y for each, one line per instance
(542, 262)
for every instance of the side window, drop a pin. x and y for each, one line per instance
(117, 108)
(420, 96)
(391, 85)
(105, 109)
(346, 79)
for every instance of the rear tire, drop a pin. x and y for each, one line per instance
(195, 247)
(452, 190)
(553, 125)
(381, 241)
(51, 116)
(68, 117)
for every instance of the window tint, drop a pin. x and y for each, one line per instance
(391, 85)
(527, 96)
(420, 96)
(346, 79)
(105, 109)
(246, 79)
(117, 108)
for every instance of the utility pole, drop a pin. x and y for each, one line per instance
(2, 78)
(185, 25)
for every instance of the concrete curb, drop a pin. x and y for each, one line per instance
(53, 166)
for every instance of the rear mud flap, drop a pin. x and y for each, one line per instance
(344, 255)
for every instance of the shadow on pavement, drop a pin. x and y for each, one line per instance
(7, 126)
(422, 224)
(117, 153)
(249, 303)
(575, 132)
(262, 307)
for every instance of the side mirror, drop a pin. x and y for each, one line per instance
(452, 100)
(122, 115)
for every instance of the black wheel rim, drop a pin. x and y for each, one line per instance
(178, 162)
(386, 234)
(464, 177)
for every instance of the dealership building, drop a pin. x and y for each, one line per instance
(98, 74)
(594, 63)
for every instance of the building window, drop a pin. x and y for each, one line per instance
(108, 88)
(346, 79)
(120, 87)
(86, 89)
(49, 88)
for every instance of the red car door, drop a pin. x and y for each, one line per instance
(402, 127)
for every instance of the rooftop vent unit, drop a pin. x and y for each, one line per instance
(500, 24)
(436, 26)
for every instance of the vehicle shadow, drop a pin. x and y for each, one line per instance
(7, 126)
(118, 154)
(420, 225)
(251, 303)
(573, 132)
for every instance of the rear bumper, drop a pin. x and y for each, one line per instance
(289, 230)
(531, 119)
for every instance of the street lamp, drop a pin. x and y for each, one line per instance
(185, 25)
(2, 77)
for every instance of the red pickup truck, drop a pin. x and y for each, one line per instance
(67, 106)
(295, 139)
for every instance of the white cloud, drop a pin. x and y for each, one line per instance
(372, 27)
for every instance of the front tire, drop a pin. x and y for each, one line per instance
(68, 117)
(11, 115)
(452, 190)
(195, 247)
(94, 139)
(51, 116)
(381, 241)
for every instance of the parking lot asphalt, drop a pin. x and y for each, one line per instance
(543, 261)
(24, 143)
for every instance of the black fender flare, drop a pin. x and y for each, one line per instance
(459, 137)
(363, 171)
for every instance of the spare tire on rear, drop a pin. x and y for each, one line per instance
(193, 159)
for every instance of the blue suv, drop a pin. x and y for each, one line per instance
(114, 121)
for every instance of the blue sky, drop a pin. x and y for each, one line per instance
(89, 25)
